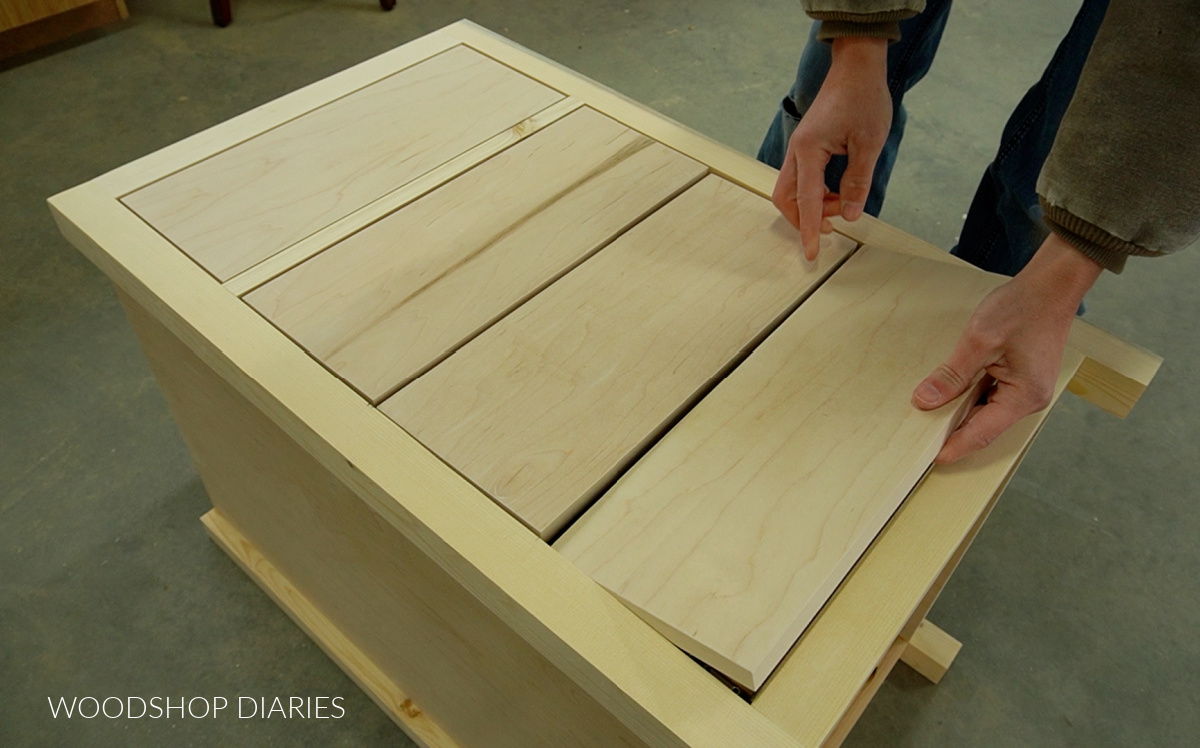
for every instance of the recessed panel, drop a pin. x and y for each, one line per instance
(244, 204)
(386, 303)
(730, 534)
(549, 404)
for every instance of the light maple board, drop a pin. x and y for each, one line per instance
(383, 305)
(730, 534)
(248, 202)
(544, 408)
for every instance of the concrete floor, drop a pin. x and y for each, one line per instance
(1078, 605)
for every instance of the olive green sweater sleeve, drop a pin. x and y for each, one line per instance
(878, 18)
(1123, 176)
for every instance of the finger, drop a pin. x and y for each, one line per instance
(952, 378)
(784, 194)
(981, 429)
(832, 206)
(810, 197)
(856, 180)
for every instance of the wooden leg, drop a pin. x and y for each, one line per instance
(387, 4)
(931, 651)
(221, 12)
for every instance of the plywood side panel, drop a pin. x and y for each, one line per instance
(476, 678)
(546, 406)
(388, 302)
(383, 690)
(244, 204)
(737, 526)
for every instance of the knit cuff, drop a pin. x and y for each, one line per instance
(831, 30)
(1093, 241)
(885, 25)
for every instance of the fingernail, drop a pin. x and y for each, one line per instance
(927, 394)
(852, 211)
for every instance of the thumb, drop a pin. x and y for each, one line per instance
(952, 378)
(856, 181)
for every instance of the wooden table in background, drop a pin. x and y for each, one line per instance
(29, 24)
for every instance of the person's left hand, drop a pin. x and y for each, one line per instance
(1016, 337)
(850, 116)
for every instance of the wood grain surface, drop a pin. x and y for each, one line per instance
(322, 239)
(246, 203)
(736, 527)
(388, 302)
(545, 408)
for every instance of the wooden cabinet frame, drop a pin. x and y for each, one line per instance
(29, 24)
(458, 621)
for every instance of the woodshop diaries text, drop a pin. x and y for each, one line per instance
(198, 707)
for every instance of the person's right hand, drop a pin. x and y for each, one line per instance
(851, 116)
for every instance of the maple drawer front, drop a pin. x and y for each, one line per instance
(545, 407)
(248, 202)
(733, 531)
(386, 303)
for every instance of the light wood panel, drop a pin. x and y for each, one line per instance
(247, 203)
(1114, 373)
(318, 241)
(224, 135)
(733, 531)
(546, 406)
(821, 676)
(383, 305)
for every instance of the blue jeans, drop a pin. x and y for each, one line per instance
(1004, 223)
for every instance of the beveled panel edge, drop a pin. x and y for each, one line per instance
(383, 206)
(225, 135)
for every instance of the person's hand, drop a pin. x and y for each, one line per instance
(851, 116)
(1016, 337)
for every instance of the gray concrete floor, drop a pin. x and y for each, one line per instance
(1078, 605)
